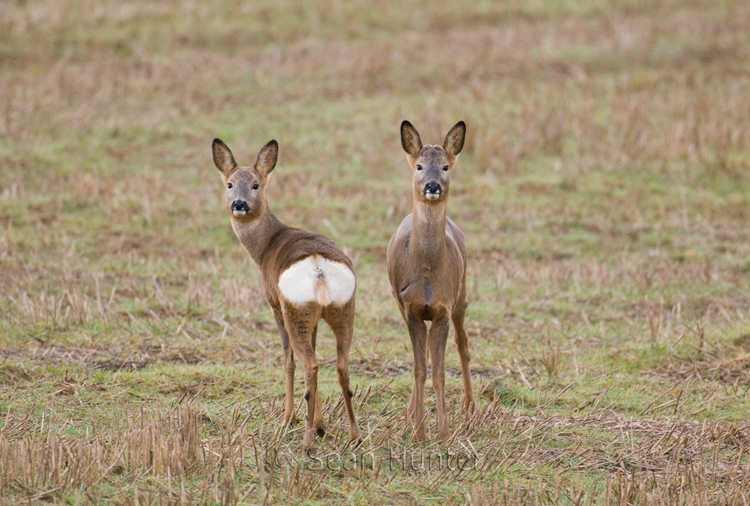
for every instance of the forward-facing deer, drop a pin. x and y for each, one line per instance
(306, 277)
(427, 270)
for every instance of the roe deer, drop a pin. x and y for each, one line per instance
(427, 270)
(306, 277)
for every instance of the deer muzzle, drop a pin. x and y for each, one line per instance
(239, 208)
(432, 191)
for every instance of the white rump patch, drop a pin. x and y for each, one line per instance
(317, 279)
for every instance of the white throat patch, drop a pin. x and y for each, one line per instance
(317, 279)
(242, 228)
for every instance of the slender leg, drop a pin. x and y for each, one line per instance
(438, 339)
(318, 420)
(462, 344)
(341, 321)
(299, 322)
(418, 335)
(289, 367)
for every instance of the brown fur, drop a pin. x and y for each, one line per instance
(427, 271)
(275, 247)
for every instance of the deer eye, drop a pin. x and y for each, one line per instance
(255, 186)
(419, 167)
(229, 185)
(446, 168)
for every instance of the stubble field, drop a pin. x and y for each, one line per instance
(604, 191)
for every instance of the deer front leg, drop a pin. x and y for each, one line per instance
(289, 366)
(418, 335)
(438, 339)
(462, 344)
(318, 420)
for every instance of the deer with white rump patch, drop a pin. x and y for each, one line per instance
(306, 277)
(427, 270)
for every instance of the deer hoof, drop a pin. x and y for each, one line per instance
(309, 441)
(420, 433)
(355, 435)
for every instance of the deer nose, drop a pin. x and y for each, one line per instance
(240, 205)
(432, 188)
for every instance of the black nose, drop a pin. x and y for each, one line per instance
(240, 205)
(432, 188)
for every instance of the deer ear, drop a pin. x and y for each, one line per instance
(454, 141)
(267, 158)
(410, 140)
(223, 158)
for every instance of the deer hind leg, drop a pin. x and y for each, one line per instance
(418, 335)
(438, 339)
(318, 420)
(462, 344)
(289, 366)
(300, 322)
(341, 320)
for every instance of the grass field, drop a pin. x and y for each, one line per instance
(604, 191)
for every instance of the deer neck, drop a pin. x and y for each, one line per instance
(256, 235)
(428, 233)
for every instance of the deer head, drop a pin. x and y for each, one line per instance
(245, 198)
(432, 164)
